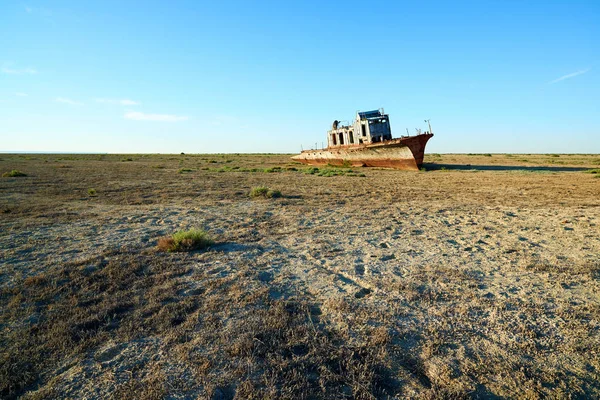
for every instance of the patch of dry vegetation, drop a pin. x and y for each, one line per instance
(263, 191)
(193, 239)
(13, 174)
(230, 339)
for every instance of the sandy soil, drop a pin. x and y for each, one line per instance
(477, 278)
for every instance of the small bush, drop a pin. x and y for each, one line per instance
(184, 170)
(273, 169)
(13, 174)
(193, 239)
(593, 171)
(311, 170)
(273, 194)
(92, 192)
(259, 191)
(263, 191)
(127, 159)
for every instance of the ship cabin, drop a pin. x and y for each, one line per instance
(368, 127)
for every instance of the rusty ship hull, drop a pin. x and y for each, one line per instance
(404, 153)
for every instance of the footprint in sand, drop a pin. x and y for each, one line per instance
(359, 269)
(109, 352)
(362, 293)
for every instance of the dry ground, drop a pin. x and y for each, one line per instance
(478, 278)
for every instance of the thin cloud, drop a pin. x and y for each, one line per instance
(21, 94)
(22, 71)
(39, 10)
(571, 75)
(122, 102)
(140, 116)
(67, 101)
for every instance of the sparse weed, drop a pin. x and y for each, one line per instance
(14, 174)
(273, 169)
(263, 191)
(311, 170)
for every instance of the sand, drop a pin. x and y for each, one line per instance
(481, 282)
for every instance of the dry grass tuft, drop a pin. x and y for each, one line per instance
(14, 174)
(263, 191)
(194, 239)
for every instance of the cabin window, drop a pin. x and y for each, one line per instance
(341, 138)
(364, 130)
(334, 140)
(351, 137)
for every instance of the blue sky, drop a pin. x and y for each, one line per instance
(240, 76)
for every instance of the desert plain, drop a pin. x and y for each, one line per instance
(478, 277)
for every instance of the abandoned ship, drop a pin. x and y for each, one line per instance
(368, 142)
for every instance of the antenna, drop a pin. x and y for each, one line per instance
(407, 134)
(427, 120)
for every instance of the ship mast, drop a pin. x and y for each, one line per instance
(427, 120)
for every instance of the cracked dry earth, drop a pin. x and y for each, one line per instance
(443, 284)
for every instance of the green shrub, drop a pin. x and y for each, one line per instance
(273, 169)
(259, 191)
(92, 192)
(263, 191)
(13, 174)
(184, 170)
(193, 239)
(273, 194)
(593, 171)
